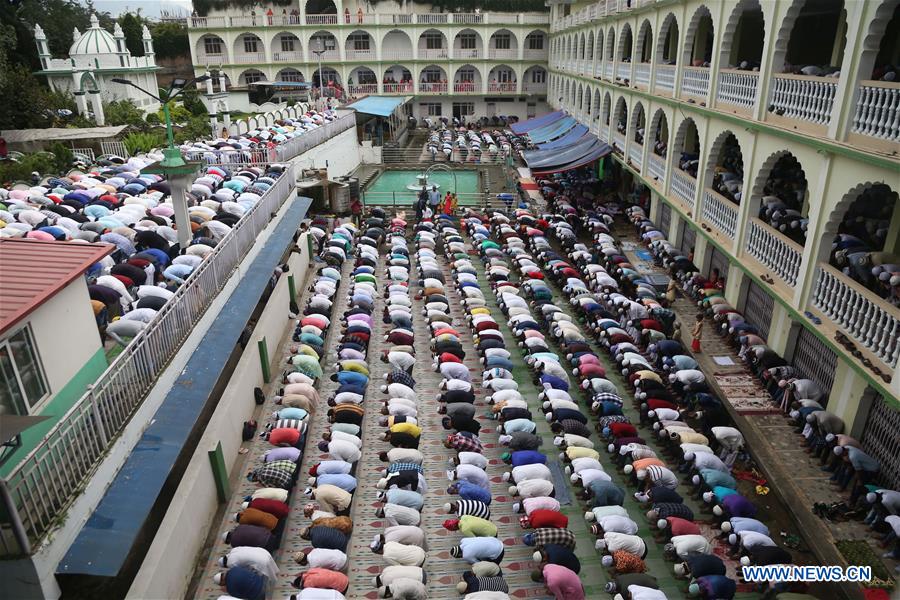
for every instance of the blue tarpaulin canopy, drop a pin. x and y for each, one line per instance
(530, 124)
(537, 159)
(597, 152)
(380, 106)
(574, 135)
(553, 130)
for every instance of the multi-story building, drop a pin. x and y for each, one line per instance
(768, 133)
(455, 64)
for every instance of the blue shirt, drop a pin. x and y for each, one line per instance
(405, 498)
(470, 491)
(527, 457)
(345, 481)
(475, 549)
(514, 425)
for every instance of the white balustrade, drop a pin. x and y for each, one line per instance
(684, 186)
(737, 87)
(642, 74)
(598, 69)
(207, 59)
(207, 22)
(608, 70)
(604, 133)
(287, 56)
(466, 87)
(878, 110)
(623, 70)
(433, 88)
(469, 18)
(360, 54)
(720, 212)
(505, 87)
(868, 319)
(619, 141)
(657, 167)
(250, 58)
(363, 89)
(804, 98)
(503, 53)
(396, 54)
(534, 19)
(695, 81)
(398, 88)
(773, 250)
(665, 78)
(535, 88)
(396, 19)
(635, 154)
(536, 55)
(431, 18)
(431, 53)
(321, 19)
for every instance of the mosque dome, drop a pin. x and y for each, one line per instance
(95, 41)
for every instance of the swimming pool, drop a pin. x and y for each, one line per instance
(390, 186)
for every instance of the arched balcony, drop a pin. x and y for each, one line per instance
(644, 56)
(323, 46)
(623, 54)
(697, 56)
(605, 117)
(534, 81)
(503, 45)
(609, 52)
(251, 76)
(290, 74)
(725, 179)
(659, 133)
(360, 45)
(397, 80)
(432, 45)
(211, 49)
(362, 81)
(620, 121)
(467, 80)
(535, 46)
(687, 159)
(286, 47)
(468, 44)
(249, 49)
(666, 56)
(587, 67)
(740, 56)
(433, 80)
(321, 12)
(502, 79)
(638, 130)
(396, 45)
(598, 54)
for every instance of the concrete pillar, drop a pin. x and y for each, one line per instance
(847, 394)
(180, 185)
(892, 243)
(97, 107)
(734, 283)
(214, 124)
(81, 103)
(779, 329)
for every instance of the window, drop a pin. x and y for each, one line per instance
(253, 76)
(815, 359)
(432, 75)
(538, 76)
(433, 40)
(322, 42)
(466, 76)
(22, 382)
(502, 41)
(212, 45)
(250, 45)
(535, 42)
(464, 109)
(431, 109)
(291, 75)
(467, 41)
(505, 76)
(287, 43)
(360, 41)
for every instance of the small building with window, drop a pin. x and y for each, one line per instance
(50, 347)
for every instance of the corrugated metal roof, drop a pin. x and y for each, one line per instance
(18, 136)
(32, 271)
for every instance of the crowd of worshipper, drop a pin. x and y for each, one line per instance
(858, 247)
(471, 144)
(257, 145)
(784, 196)
(803, 400)
(250, 571)
(117, 204)
(728, 174)
(694, 435)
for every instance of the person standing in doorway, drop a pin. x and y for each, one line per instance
(434, 199)
(697, 333)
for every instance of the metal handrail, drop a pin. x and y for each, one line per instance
(45, 482)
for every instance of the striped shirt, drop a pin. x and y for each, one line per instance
(546, 535)
(463, 443)
(397, 467)
(274, 474)
(474, 508)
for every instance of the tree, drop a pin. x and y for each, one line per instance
(170, 40)
(124, 112)
(56, 17)
(134, 39)
(24, 103)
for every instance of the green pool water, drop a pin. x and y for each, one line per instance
(390, 187)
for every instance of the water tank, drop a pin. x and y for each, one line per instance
(340, 199)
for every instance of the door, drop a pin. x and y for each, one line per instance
(881, 439)
(665, 218)
(688, 239)
(814, 359)
(758, 307)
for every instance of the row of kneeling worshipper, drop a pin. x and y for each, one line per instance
(402, 486)
(802, 399)
(628, 318)
(251, 571)
(470, 483)
(119, 205)
(333, 481)
(556, 565)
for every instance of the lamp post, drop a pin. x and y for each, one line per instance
(173, 166)
(319, 54)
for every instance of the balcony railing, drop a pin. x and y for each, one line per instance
(719, 212)
(804, 98)
(608, 70)
(657, 167)
(45, 482)
(603, 133)
(330, 55)
(287, 56)
(878, 110)
(432, 53)
(737, 88)
(778, 253)
(623, 71)
(695, 81)
(598, 69)
(207, 22)
(684, 186)
(466, 87)
(471, 18)
(535, 88)
(503, 53)
(211, 59)
(535, 54)
(321, 19)
(505, 87)
(360, 54)
(250, 58)
(618, 141)
(665, 78)
(466, 53)
(361, 89)
(396, 54)
(432, 19)
(398, 88)
(433, 88)
(642, 74)
(870, 320)
(635, 154)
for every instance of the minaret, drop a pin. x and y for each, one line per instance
(149, 53)
(121, 48)
(43, 49)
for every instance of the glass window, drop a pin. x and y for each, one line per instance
(22, 382)
(360, 41)
(253, 76)
(535, 42)
(434, 40)
(464, 109)
(287, 43)
(538, 76)
(432, 109)
(502, 41)
(250, 45)
(467, 41)
(504, 76)
(466, 75)
(212, 45)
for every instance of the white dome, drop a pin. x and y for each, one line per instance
(93, 42)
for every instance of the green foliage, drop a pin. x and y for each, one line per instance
(152, 119)
(24, 103)
(196, 128)
(124, 112)
(131, 27)
(42, 162)
(62, 156)
(144, 141)
(190, 99)
(170, 40)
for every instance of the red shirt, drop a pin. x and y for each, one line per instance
(278, 509)
(543, 517)
(446, 357)
(680, 526)
(654, 404)
(623, 430)
(284, 436)
(591, 370)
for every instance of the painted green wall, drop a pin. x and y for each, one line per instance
(57, 407)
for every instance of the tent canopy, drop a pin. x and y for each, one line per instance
(573, 135)
(553, 130)
(530, 124)
(380, 106)
(537, 159)
(597, 153)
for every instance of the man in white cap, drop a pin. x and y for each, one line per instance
(392, 573)
(404, 589)
(682, 546)
(257, 559)
(613, 541)
(323, 558)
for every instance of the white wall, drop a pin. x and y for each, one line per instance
(169, 564)
(65, 333)
(340, 155)
(508, 106)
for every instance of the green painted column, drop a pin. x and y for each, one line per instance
(292, 288)
(264, 360)
(220, 473)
